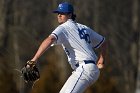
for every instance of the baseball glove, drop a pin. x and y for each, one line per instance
(30, 72)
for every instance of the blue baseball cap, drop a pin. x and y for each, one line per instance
(64, 8)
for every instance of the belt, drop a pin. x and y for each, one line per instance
(86, 62)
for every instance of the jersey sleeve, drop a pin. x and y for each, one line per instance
(58, 34)
(96, 39)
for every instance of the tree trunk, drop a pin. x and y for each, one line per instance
(136, 44)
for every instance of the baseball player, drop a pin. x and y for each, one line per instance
(79, 43)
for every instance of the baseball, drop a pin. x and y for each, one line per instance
(28, 66)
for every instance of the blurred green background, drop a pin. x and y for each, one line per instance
(24, 24)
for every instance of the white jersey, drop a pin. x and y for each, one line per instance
(78, 41)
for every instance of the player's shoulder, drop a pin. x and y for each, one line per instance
(60, 27)
(68, 22)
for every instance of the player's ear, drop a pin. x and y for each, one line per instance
(70, 15)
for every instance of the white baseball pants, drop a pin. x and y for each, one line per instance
(81, 78)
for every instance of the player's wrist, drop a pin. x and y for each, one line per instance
(30, 62)
(34, 60)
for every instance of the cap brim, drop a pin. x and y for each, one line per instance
(58, 11)
(55, 11)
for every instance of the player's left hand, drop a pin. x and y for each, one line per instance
(30, 72)
(100, 62)
(100, 66)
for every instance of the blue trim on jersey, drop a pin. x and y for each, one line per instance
(100, 43)
(55, 36)
(77, 80)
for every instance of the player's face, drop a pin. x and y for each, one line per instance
(61, 17)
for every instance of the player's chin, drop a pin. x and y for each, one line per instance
(60, 21)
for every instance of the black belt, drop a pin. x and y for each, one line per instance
(86, 62)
